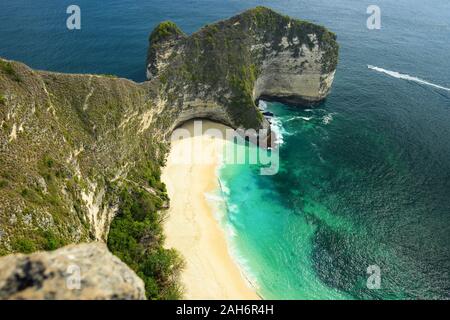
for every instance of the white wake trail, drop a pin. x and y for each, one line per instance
(406, 77)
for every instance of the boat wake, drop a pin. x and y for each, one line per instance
(298, 117)
(406, 77)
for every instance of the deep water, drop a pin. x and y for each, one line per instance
(365, 176)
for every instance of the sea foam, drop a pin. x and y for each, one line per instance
(277, 127)
(327, 118)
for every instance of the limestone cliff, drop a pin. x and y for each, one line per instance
(221, 70)
(67, 143)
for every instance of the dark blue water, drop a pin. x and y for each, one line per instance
(365, 177)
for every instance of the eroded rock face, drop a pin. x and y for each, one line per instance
(54, 275)
(162, 42)
(230, 64)
(296, 75)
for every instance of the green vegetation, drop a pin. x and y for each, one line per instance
(8, 69)
(220, 59)
(271, 21)
(136, 233)
(96, 135)
(52, 172)
(49, 162)
(331, 56)
(242, 107)
(24, 245)
(3, 183)
(264, 17)
(41, 240)
(136, 237)
(50, 241)
(164, 30)
(30, 235)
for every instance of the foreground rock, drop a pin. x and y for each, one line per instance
(54, 275)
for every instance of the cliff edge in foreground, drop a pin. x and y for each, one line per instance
(87, 271)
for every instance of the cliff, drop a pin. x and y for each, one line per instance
(221, 70)
(67, 143)
(80, 159)
(80, 155)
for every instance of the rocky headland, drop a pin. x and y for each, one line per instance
(220, 71)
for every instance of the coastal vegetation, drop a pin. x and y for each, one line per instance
(164, 30)
(136, 236)
(8, 69)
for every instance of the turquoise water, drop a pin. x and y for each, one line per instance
(364, 177)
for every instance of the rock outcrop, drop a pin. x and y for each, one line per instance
(220, 71)
(87, 271)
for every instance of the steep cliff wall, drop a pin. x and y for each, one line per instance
(221, 70)
(67, 143)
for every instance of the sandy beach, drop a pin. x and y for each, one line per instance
(191, 227)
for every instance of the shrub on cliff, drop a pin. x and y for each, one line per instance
(163, 30)
(136, 237)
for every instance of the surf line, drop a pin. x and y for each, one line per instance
(399, 75)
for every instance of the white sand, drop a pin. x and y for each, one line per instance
(191, 227)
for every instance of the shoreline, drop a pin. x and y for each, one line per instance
(191, 227)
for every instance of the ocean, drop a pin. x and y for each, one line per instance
(364, 177)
